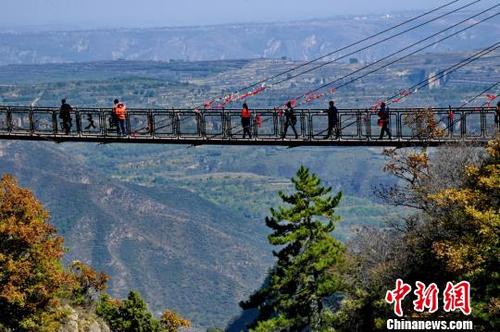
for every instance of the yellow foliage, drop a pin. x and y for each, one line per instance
(493, 148)
(88, 283)
(30, 260)
(453, 196)
(477, 201)
(171, 321)
(423, 124)
(418, 159)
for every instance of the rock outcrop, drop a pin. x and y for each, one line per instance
(81, 321)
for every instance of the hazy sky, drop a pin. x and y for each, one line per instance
(134, 13)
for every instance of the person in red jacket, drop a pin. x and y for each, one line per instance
(384, 121)
(120, 115)
(246, 117)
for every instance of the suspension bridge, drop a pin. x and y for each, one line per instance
(356, 127)
(214, 122)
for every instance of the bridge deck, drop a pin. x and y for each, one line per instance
(357, 127)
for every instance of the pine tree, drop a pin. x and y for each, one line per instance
(129, 315)
(305, 273)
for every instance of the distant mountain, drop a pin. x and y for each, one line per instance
(297, 40)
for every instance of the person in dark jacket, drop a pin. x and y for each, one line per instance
(497, 116)
(451, 120)
(384, 118)
(290, 120)
(246, 117)
(333, 120)
(65, 116)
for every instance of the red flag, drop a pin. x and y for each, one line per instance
(208, 104)
(490, 98)
(226, 100)
(401, 95)
(313, 96)
(405, 93)
(245, 95)
(258, 90)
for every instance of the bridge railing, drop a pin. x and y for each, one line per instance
(266, 124)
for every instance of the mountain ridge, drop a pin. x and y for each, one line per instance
(300, 40)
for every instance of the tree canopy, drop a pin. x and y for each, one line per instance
(31, 274)
(295, 295)
(452, 235)
(35, 286)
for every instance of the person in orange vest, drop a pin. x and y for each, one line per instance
(246, 121)
(120, 114)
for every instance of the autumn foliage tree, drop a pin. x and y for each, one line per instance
(35, 287)
(470, 249)
(171, 321)
(423, 124)
(31, 273)
(451, 235)
(89, 283)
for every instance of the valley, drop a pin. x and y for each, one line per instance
(185, 225)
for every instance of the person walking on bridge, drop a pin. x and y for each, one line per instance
(384, 118)
(120, 114)
(451, 120)
(497, 116)
(65, 116)
(290, 120)
(333, 120)
(246, 117)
